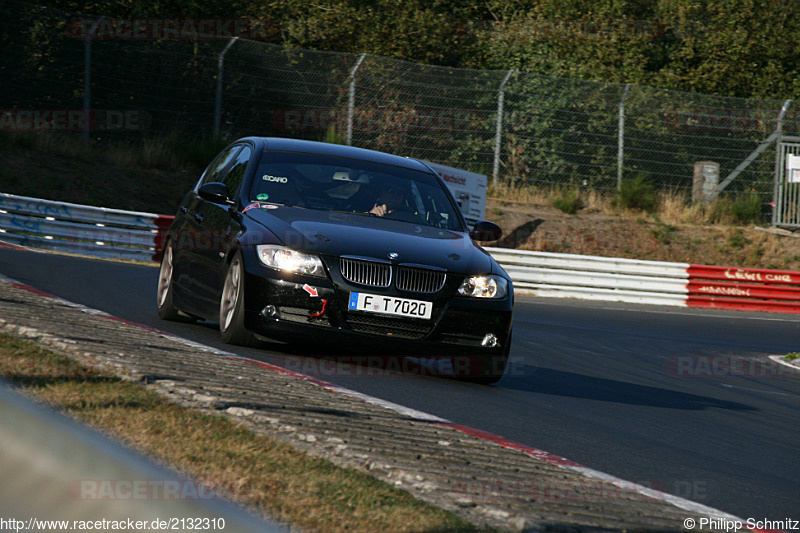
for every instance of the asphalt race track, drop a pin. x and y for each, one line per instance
(684, 401)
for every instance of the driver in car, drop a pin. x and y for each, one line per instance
(390, 200)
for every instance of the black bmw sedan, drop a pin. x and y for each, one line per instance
(290, 240)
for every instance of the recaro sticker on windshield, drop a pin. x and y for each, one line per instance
(276, 179)
(257, 205)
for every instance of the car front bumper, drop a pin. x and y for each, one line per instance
(293, 308)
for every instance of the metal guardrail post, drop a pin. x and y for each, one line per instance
(499, 129)
(351, 101)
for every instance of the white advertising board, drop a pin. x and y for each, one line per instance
(468, 188)
(793, 168)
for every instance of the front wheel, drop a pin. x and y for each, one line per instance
(231, 307)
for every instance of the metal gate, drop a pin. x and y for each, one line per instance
(787, 183)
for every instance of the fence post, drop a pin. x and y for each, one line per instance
(218, 99)
(351, 102)
(777, 194)
(87, 81)
(87, 86)
(499, 128)
(774, 137)
(621, 138)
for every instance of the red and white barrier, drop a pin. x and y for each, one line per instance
(554, 275)
(744, 289)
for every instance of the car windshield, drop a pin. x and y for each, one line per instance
(353, 186)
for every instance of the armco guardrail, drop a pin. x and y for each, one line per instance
(94, 231)
(113, 233)
(595, 278)
(650, 282)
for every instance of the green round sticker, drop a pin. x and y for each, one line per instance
(262, 196)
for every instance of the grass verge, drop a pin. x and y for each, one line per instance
(637, 197)
(265, 474)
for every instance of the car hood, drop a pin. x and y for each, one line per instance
(336, 234)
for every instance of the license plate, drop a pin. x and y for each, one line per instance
(390, 305)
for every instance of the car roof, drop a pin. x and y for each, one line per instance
(280, 144)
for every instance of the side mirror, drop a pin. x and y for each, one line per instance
(486, 231)
(216, 193)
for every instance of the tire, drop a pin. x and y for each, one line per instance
(231, 306)
(164, 296)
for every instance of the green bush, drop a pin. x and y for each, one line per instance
(569, 201)
(740, 209)
(638, 193)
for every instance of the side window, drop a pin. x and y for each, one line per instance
(216, 169)
(236, 174)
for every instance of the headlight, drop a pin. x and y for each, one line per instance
(288, 260)
(484, 287)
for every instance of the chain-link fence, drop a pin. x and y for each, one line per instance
(111, 78)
